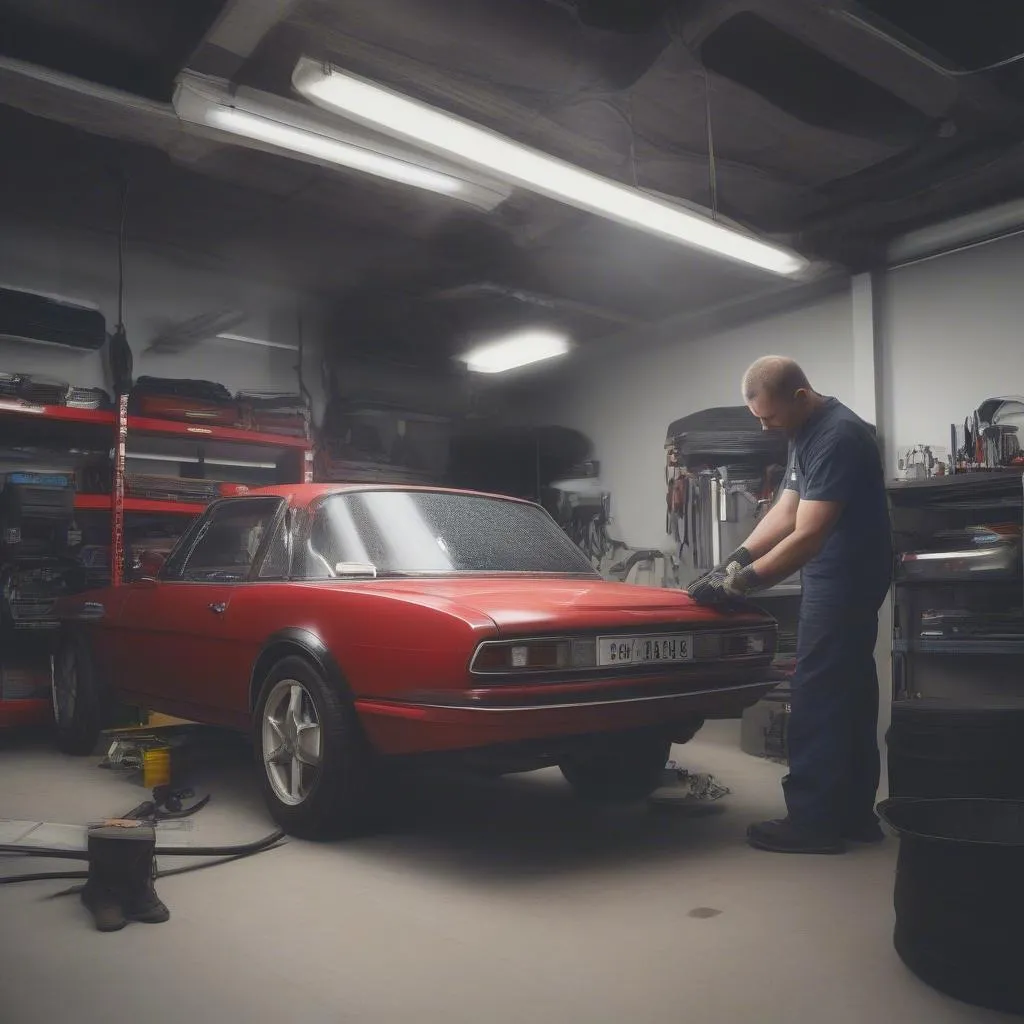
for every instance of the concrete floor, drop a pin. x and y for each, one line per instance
(493, 901)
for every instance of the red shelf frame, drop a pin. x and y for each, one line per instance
(202, 432)
(104, 503)
(158, 428)
(60, 413)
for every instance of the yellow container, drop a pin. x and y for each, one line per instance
(156, 767)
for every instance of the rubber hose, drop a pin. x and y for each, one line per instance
(160, 851)
(75, 875)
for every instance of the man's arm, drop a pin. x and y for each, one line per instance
(814, 522)
(775, 526)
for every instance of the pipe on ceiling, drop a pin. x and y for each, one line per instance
(968, 231)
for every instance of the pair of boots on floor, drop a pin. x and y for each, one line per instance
(121, 872)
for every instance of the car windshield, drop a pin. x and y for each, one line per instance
(435, 533)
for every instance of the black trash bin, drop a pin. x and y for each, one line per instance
(960, 896)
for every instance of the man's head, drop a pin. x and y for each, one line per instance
(778, 393)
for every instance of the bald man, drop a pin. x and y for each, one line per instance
(831, 522)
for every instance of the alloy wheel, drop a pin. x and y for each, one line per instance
(291, 741)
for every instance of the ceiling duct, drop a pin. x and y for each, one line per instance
(964, 232)
(627, 16)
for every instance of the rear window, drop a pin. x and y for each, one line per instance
(434, 533)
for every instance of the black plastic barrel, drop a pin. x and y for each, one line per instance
(937, 752)
(960, 896)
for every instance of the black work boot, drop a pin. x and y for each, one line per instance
(784, 836)
(101, 893)
(139, 897)
(120, 885)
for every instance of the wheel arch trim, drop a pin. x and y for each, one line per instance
(295, 640)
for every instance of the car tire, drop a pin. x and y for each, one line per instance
(77, 697)
(684, 731)
(319, 780)
(618, 768)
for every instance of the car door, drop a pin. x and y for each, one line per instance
(175, 643)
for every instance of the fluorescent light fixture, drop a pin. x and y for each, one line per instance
(370, 104)
(299, 141)
(262, 342)
(516, 350)
(267, 122)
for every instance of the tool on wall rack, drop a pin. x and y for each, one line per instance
(991, 437)
(722, 470)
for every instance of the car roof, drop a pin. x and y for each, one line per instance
(301, 495)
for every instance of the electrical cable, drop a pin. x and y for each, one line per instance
(120, 254)
(303, 390)
(225, 855)
(81, 875)
(161, 851)
(119, 351)
(712, 169)
(632, 140)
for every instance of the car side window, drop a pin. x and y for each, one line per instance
(276, 561)
(226, 542)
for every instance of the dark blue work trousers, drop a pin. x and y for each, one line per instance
(834, 763)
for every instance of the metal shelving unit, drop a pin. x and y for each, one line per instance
(966, 670)
(959, 647)
(75, 437)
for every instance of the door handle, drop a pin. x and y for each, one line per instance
(219, 607)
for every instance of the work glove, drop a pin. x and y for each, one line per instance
(707, 589)
(741, 557)
(733, 583)
(739, 580)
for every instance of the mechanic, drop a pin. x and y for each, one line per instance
(831, 521)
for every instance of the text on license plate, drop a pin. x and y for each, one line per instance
(644, 650)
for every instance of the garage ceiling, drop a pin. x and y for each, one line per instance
(836, 125)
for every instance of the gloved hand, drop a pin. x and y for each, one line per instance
(707, 589)
(739, 580)
(741, 557)
(720, 587)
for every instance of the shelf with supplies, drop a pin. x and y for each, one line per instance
(84, 490)
(958, 595)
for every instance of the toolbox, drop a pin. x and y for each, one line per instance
(765, 727)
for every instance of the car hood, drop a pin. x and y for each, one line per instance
(540, 604)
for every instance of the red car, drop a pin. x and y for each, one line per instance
(346, 625)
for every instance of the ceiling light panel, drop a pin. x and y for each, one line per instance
(516, 350)
(372, 105)
(267, 122)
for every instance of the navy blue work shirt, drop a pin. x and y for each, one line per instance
(835, 457)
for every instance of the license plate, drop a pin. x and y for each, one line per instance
(644, 650)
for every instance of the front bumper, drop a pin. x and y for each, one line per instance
(474, 719)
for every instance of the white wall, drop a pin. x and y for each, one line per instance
(161, 286)
(625, 401)
(952, 335)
